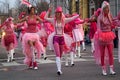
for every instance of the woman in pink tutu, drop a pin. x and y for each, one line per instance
(9, 40)
(30, 40)
(59, 44)
(45, 30)
(106, 36)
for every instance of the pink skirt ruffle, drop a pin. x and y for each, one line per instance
(27, 49)
(7, 40)
(77, 36)
(42, 33)
(106, 36)
(68, 42)
(97, 54)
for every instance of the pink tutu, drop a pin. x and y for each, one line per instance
(97, 54)
(106, 36)
(27, 49)
(68, 41)
(8, 39)
(42, 33)
(77, 36)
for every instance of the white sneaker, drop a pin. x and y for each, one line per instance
(112, 72)
(8, 60)
(104, 72)
(75, 56)
(66, 64)
(35, 68)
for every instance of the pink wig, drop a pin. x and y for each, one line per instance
(104, 4)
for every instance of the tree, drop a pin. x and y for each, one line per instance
(67, 5)
(42, 6)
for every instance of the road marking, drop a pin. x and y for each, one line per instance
(11, 64)
(41, 61)
(50, 59)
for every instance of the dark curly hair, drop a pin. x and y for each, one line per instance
(30, 8)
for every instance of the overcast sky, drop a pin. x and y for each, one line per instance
(12, 2)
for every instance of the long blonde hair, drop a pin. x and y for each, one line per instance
(104, 4)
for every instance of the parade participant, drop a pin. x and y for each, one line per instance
(106, 36)
(96, 51)
(9, 40)
(93, 28)
(68, 30)
(59, 22)
(77, 33)
(30, 40)
(82, 32)
(22, 26)
(45, 30)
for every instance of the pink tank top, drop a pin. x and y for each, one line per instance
(8, 30)
(105, 25)
(59, 29)
(32, 25)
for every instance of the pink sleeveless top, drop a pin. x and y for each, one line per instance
(9, 30)
(32, 25)
(59, 29)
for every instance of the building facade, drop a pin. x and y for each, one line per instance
(95, 4)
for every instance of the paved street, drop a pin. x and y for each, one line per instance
(84, 69)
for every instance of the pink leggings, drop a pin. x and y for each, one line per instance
(110, 53)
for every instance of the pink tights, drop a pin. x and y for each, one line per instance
(110, 53)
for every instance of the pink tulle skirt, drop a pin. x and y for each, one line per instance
(106, 37)
(77, 36)
(27, 48)
(67, 38)
(7, 40)
(42, 33)
(97, 54)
